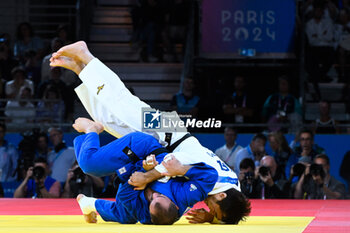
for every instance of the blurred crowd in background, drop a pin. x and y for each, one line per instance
(33, 92)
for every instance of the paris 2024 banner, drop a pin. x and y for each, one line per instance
(256, 28)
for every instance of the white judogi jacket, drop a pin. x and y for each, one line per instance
(109, 102)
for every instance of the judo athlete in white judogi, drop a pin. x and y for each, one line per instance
(110, 103)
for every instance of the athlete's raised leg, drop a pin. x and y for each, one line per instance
(103, 94)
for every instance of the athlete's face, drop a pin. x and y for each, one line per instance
(212, 202)
(164, 201)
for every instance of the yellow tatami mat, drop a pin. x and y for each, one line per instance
(75, 223)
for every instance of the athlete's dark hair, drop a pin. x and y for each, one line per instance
(165, 216)
(235, 207)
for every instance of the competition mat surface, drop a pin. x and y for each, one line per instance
(63, 215)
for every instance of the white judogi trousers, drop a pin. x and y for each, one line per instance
(109, 102)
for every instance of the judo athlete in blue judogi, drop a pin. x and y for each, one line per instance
(159, 203)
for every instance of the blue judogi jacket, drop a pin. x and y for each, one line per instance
(113, 157)
(132, 206)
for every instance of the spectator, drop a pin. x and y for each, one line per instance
(307, 149)
(294, 175)
(51, 108)
(273, 183)
(255, 151)
(325, 124)
(295, 143)
(249, 183)
(307, 146)
(280, 148)
(320, 34)
(42, 149)
(26, 40)
(282, 107)
(21, 110)
(64, 91)
(78, 182)
(228, 152)
(55, 81)
(186, 102)
(68, 76)
(19, 79)
(238, 107)
(37, 183)
(26, 149)
(62, 157)
(7, 62)
(8, 158)
(317, 183)
(298, 169)
(344, 169)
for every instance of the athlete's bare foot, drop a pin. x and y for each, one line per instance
(68, 63)
(89, 217)
(84, 125)
(77, 51)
